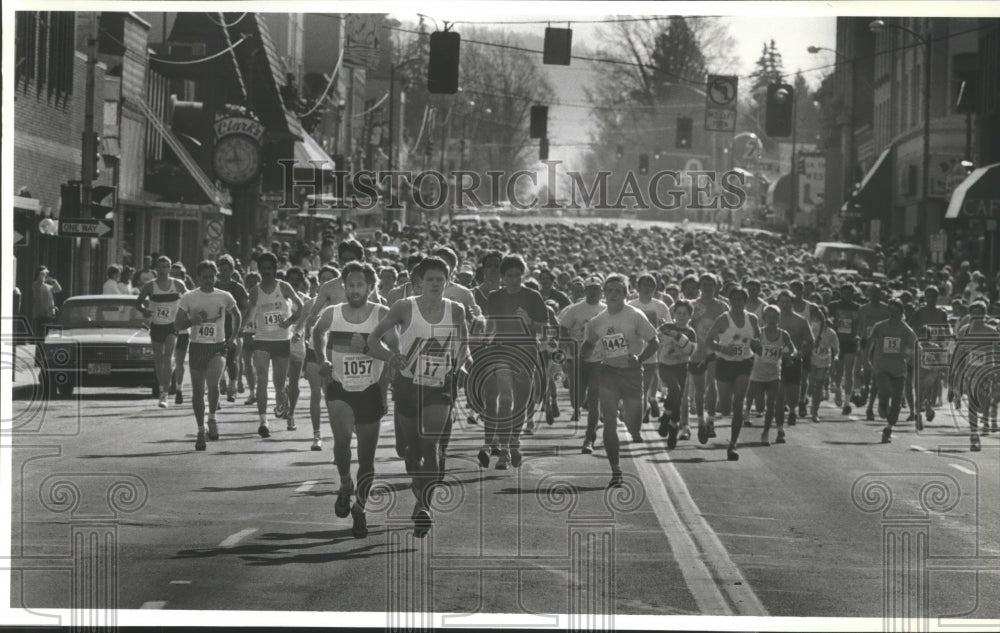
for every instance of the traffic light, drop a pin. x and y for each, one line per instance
(780, 109)
(70, 197)
(97, 155)
(442, 67)
(558, 46)
(643, 163)
(539, 121)
(684, 128)
(543, 149)
(620, 152)
(103, 200)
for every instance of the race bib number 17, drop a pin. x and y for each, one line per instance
(431, 370)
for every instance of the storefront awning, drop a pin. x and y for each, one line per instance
(309, 155)
(217, 195)
(874, 191)
(978, 196)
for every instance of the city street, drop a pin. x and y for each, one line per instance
(789, 530)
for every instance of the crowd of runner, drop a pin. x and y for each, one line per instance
(658, 325)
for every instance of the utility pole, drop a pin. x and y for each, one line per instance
(89, 155)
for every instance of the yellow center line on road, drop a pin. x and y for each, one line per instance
(306, 486)
(232, 540)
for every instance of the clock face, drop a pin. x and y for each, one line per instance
(236, 159)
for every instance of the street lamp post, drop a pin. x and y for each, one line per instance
(877, 26)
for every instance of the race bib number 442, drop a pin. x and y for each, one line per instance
(615, 345)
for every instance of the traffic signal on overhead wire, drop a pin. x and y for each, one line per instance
(684, 128)
(643, 163)
(543, 149)
(780, 111)
(539, 121)
(442, 67)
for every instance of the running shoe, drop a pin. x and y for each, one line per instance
(685, 433)
(163, 402)
(764, 439)
(664, 428)
(986, 428)
(317, 444)
(239, 387)
(575, 417)
(711, 428)
(484, 457)
(637, 438)
(529, 427)
(791, 418)
(838, 399)
(654, 407)
(173, 388)
(781, 438)
(930, 414)
(360, 527)
(199, 443)
(814, 417)
(672, 436)
(645, 416)
(882, 411)
(887, 435)
(732, 455)
(869, 415)
(343, 505)
(912, 417)
(231, 396)
(515, 457)
(213, 430)
(975, 447)
(703, 433)
(503, 461)
(846, 410)
(422, 522)
(291, 423)
(494, 450)
(263, 431)
(280, 409)
(617, 481)
(252, 399)
(802, 410)
(180, 398)
(746, 420)
(471, 419)
(588, 447)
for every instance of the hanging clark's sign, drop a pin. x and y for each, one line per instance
(239, 125)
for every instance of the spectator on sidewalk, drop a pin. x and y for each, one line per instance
(111, 283)
(43, 303)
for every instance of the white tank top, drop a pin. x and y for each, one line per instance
(272, 309)
(429, 348)
(767, 365)
(163, 303)
(356, 372)
(739, 336)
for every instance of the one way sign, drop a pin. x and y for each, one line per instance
(87, 227)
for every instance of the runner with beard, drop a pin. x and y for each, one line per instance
(658, 313)
(356, 389)
(432, 341)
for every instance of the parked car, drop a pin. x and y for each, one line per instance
(97, 340)
(856, 257)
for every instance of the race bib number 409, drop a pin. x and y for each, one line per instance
(206, 331)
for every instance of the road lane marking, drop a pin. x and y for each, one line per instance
(701, 556)
(230, 541)
(781, 538)
(921, 449)
(154, 604)
(737, 516)
(963, 469)
(306, 486)
(180, 582)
